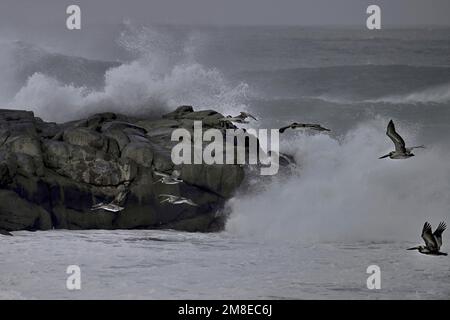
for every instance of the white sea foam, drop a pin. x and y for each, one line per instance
(435, 94)
(342, 191)
(164, 74)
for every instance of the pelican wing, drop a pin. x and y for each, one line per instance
(161, 174)
(109, 207)
(234, 119)
(192, 203)
(168, 196)
(171, 180)
(113, 208)
(245, 114)
(317, 127)
(438, 234)
(396, 138)
(97, 206)
(187, 201)
(428, 237)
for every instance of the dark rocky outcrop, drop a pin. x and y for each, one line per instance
(51, 174)
(5, 233)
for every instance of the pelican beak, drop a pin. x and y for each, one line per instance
(415, 248)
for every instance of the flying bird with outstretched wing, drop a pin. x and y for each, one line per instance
(296, 125)
(400, 152)
(433, 240)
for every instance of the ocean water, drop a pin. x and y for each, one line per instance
(145, 264)
(311, 233)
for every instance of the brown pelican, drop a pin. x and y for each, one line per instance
(169, 179)
(114, 205)
(401, 152)
(296, 125)
(241, 118)
(433, 240)
(177, 200)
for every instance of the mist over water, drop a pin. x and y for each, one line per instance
(342, 192)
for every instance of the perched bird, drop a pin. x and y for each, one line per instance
(169, 179)
(311, 126)
(401, 152)
(433, 240)
(177, 200)
(241, 118)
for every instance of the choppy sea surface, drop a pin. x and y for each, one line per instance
(142, 264)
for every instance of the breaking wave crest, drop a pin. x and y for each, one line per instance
(164, 74)
(436, 94)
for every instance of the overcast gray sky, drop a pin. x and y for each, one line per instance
(20, 13)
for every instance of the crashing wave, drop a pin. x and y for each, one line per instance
(436, 94)
(163, 74)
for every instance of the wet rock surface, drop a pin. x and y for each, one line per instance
(52, 174)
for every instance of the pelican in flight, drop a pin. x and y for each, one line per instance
(401, 152)
(433, 240)
(169, 179)
(241, 118)
(114, 206)
(170, 198)
(245, 115)
(296, 125)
